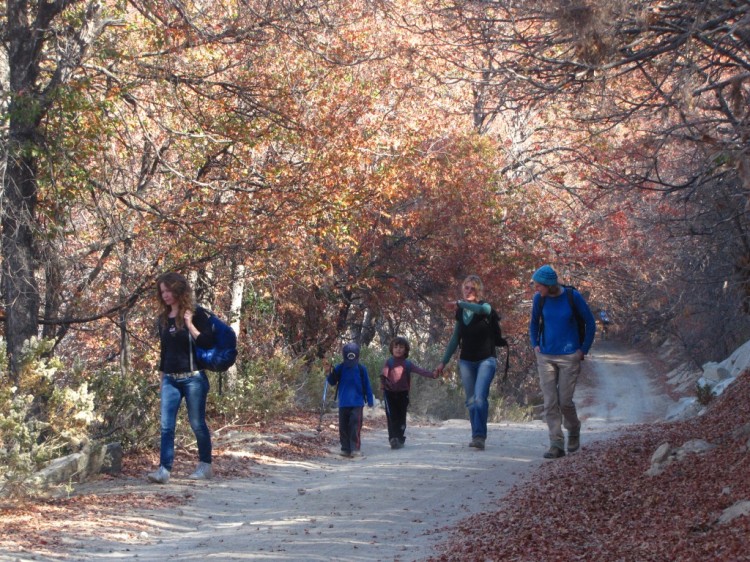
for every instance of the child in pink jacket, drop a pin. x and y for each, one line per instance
(395, 383)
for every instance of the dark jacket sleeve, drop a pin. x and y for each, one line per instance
(202, 322)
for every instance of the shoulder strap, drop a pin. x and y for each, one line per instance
(541, 318)
(337, 377)
(362, 377)
(569, 291)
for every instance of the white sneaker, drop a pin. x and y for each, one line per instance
(161, 476)
(202, 472)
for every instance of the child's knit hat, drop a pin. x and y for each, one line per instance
(351, 354)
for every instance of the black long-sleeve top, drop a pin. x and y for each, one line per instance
(175, 343)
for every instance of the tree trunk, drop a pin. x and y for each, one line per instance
(237, 290)
(20, 290)
(123, 321)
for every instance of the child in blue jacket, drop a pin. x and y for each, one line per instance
(353, 390)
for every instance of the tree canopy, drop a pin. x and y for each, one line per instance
(341, 166)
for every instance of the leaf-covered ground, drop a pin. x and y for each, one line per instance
(46, 526)
(600, 504)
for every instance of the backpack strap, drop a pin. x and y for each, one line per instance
(541, 318)
(577, 315)
(338, 380)
(362, 378)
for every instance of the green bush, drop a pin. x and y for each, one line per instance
(261, 389)
(128, 406)
(704, 393)
(46, 416)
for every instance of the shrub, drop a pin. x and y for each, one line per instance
(704, 393)
(46, 416)
(262, 388)
(128, 407)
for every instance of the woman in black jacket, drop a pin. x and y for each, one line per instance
(478, 359)
(182, 326)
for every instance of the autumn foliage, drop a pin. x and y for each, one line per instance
(326, 171)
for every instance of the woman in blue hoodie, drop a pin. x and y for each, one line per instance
(353, 391)
(560, 346)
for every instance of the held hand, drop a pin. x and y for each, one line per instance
(451, 306)
(188, 316)
(580, 355)
(538, 349)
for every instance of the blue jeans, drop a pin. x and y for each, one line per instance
(476, 376)
(194, 390)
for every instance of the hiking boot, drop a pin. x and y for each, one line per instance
(161, 476)
(345, 453)
(477, 443)
(202, 472)
(574, 442)
(394, 443)
(554, 453)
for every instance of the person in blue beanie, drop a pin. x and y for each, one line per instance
(559, 345)
(353, 391)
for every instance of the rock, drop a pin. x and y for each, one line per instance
(737, 510)
(665, 455)
(715, 372)
(96, 458)
(661, 454)
(687, 407)
(694, 446)
(112, 461)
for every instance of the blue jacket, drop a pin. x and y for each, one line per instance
(354, 385)
(560, 330)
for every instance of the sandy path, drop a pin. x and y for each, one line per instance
(388, 505)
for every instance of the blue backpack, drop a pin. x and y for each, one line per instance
(224, 352)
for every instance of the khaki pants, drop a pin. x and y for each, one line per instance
(558, 375)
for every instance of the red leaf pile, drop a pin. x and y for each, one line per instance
(600, 504)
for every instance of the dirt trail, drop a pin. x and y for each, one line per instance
(388, 505)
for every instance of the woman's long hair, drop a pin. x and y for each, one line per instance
(180, 288)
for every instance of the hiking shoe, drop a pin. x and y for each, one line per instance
(394, 443)
(477, 443)
(574, 442)
(554, 453)
(161, 476)
(345, 453)
(202, 472)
